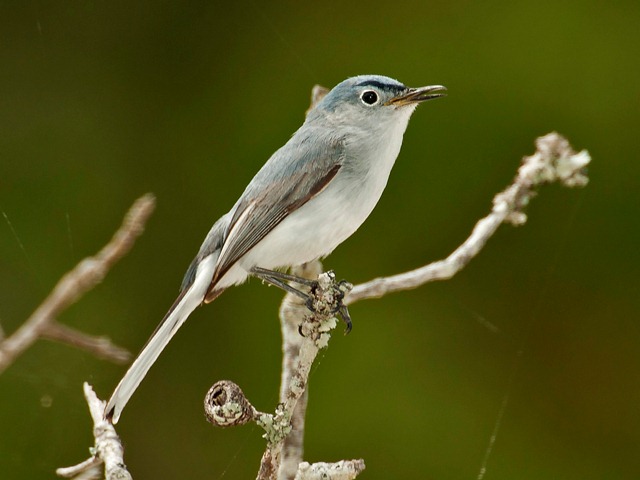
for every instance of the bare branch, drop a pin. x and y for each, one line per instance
(91, 466)
(86, 275)
(553, 161)
(107, 449)
(101, 347)
(343, 470)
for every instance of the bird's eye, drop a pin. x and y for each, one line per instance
(369, 97)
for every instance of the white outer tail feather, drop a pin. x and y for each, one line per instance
(191, 299)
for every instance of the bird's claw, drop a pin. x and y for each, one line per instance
(346, 318)
(339, 290)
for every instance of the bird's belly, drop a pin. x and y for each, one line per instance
(310, 232)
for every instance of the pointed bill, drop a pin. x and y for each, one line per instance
(418, 95)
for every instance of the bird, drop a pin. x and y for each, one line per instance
(311, 195)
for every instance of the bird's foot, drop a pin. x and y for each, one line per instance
(325, 296)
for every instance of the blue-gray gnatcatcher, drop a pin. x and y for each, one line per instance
(310, 196)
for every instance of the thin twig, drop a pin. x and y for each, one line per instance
(86, 275)
(553, 161)
(101, 347)
(107, 449)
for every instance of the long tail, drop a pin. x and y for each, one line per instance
(186, 303)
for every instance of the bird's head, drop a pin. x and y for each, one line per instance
(368, 101)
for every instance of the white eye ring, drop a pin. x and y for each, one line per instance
(369, 97)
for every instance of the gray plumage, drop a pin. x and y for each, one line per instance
(311, 195)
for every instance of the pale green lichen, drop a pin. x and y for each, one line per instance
(276, 427)
(227, 414)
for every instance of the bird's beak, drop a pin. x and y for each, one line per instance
(417, 95)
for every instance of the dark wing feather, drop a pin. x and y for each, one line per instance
(257, 215)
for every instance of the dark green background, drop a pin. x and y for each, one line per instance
(102, 101)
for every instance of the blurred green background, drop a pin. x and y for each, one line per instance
(538, 340)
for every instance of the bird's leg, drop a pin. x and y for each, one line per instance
(339, 289)
(258, 272)
(278, 279)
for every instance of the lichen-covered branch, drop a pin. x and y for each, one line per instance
(107, 449)
(86, 275)
(292, 310)
(305, 334)
(314, 332)
(553, 161)
(342, 470)
(225, 405)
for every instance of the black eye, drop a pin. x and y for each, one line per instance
(369, 97)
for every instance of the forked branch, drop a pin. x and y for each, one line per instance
(85, 276)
